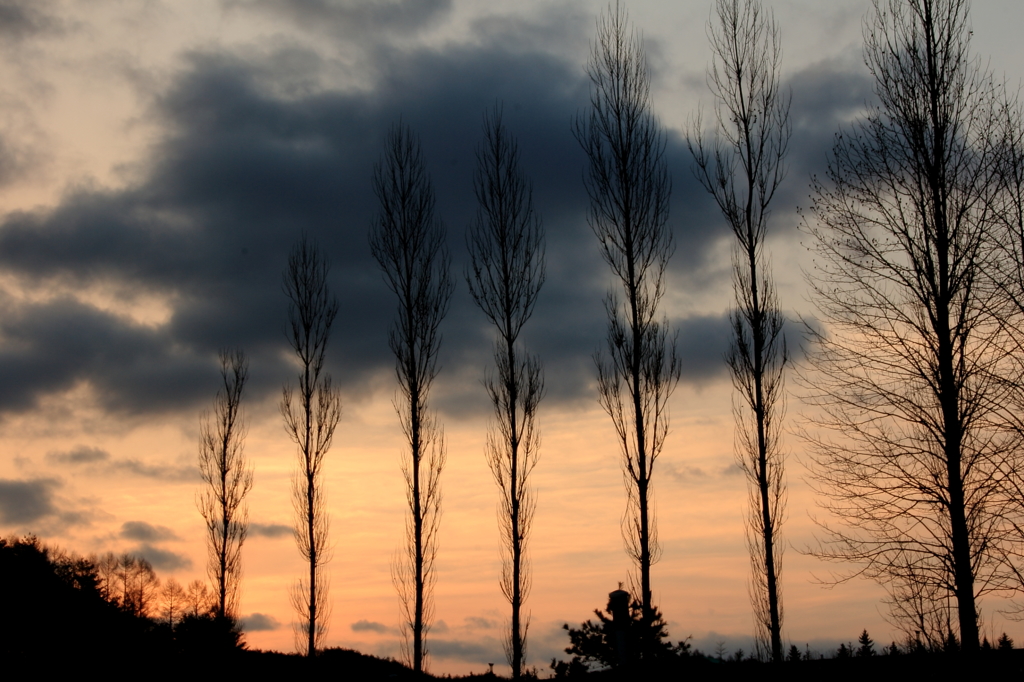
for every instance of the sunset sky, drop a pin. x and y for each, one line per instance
(158, 158)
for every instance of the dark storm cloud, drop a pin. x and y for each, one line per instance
(703, 342)
(145, 532)
(269, 530)
(162, 559)
(52, 346)
(27, 501)
(827, 96)
(244, 169)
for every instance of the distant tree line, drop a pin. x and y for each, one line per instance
(102, 608)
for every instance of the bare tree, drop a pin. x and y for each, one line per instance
(628, 186)
(408, 242)
(905, 371)
(742, 169)
(228, 478)
(311, 424)
(106, 571)
(506, 249)
(172, 602)
(135, 584)
(198, 600)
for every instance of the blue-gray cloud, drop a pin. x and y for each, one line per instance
(243, 170)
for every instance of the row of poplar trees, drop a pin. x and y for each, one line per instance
(914, 372)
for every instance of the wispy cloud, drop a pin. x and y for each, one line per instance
(373, 626)
(145, 532)
(81, 454)
(99, 461)
(269, 530)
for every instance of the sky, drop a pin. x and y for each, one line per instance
(157, 161)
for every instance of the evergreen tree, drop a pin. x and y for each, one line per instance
(867, 646)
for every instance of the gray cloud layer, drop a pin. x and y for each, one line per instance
(244, 169)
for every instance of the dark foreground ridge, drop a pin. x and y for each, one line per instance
(59, 614)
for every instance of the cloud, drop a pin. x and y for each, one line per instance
(162, 472)
(353, 19)
(695, 475)
(162, 559)
(100, 461)
(373, 626)
(685, 474)
(33, 505)
(259, 622)
(484, 650)
(269, 530)
(703, 343)
(20, 19)
(243, 168)
(79, 455)
(27, 501)
(140, 530)
(733, 469)
(477, 623)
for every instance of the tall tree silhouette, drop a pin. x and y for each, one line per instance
(228, 478)
(408, 242)
(742, 169)
(628, 186)
(506, 249)
(905, 367)
(311, 414)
